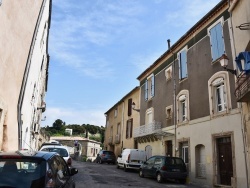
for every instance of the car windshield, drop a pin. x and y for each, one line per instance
(22, 173)
(61, 151)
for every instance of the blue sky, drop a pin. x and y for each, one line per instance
(99, 47)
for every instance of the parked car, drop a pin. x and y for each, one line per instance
(131, 159)
(50, 144)
(35, 169)
(163, 167)
(61, 150)
(105, 156)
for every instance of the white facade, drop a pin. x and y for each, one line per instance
(36, 85)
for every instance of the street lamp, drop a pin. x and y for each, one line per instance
(224, 63)
(133, 107)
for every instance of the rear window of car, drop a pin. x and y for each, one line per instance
(22, 173)
(61, 151)
(174, 161)
(108, 152)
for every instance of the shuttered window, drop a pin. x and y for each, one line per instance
(129, 107)
(149, 87)
(217, 41)
(183, 64)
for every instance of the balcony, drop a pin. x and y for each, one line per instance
(242, 91)
(110, 140)
(117, 138)
(149, 129)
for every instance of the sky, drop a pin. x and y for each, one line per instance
(98, 48)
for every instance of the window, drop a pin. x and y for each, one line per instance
(129, 128)
(169, 112)
(149, 87)
(219, 98)
(182, 56)
(0, 2)
(183, 106)
(149, 116)
(216, 39)
(129, 107)
(184, 153)
(168, 73)
(116, 111)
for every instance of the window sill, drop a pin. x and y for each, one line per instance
(182, 80)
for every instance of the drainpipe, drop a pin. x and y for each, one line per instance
(26, 74)
(174, 96)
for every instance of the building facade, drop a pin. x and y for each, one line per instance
(240, 14)
(24, 68)
(121, 120)
(188, 108)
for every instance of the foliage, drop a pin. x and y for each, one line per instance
(59, 126)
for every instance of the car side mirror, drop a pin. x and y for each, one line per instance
(73, 171)
(119, 155)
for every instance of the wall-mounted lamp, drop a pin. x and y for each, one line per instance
(224, 62)
(43, 107)
(133, 107)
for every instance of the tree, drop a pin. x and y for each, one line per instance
(58, 125)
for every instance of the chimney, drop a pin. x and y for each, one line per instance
(168, 43)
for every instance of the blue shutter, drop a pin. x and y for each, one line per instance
(180, 75)
(146, 90)
(217, 41)
(153, 86)
(182, 64)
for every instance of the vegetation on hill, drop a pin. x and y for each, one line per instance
(94, 132)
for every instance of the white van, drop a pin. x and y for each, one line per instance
(131, 159)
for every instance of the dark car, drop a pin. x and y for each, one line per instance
(163, 167)
(105, 156)
(35, 169)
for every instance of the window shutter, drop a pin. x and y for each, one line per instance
(146, 90)
(152, 86)
(131, 128)
(127, 129)
(180, 76)
(129, 107)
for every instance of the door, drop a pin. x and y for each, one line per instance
(169, 148)
(225, 160)
(148, 150)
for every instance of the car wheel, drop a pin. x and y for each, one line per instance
(141, 173)
(117, 166)
(182, 181)
(159, 177)
(125, 168)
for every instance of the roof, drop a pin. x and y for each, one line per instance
(27, 154)
(122, 99)
(72, 138)
(201, 22)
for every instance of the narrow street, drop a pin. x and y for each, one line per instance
(95, 175)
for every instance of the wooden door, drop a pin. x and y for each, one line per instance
(225, 160)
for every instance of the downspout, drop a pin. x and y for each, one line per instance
(174, 96)
(25, 76)
(243, 132)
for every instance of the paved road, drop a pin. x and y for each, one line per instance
(93, 175)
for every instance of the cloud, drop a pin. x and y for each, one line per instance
(74, 116)
(142, 62)
(77, 28)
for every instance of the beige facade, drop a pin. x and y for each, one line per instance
(121, 120)
(240, 13)
(18, 29)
